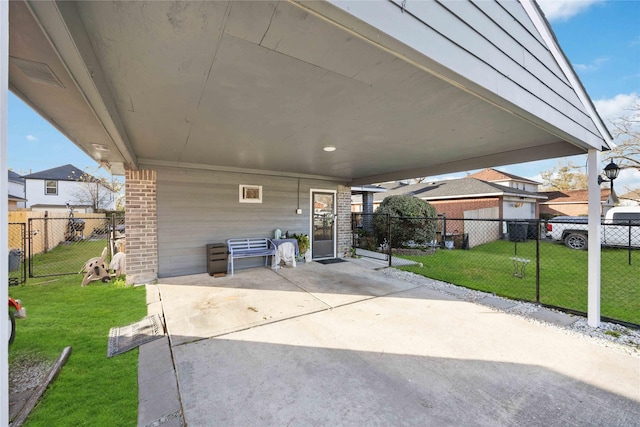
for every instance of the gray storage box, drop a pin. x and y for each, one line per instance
(217, 258)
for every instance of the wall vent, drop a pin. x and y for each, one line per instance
(37, 71)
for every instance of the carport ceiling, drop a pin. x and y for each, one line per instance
(261, 86)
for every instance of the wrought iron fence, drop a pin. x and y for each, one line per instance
(518, 259)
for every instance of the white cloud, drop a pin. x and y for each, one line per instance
(590, 67)
(618, 106)
(31, 138)
(628, 180)
(563, 10)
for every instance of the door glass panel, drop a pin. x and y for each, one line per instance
(323, 225)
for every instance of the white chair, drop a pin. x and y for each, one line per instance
(286, 253)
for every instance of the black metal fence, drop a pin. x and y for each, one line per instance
(61, 246)
(530, 260)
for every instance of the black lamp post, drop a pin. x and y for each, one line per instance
(611, 171)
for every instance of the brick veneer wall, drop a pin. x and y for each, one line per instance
(141, 226)
(343, 200)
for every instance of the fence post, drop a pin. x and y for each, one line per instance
(538, 261)
(30, 253)
(24, 252)
(444, 229)
(629, 248)
(389, 238)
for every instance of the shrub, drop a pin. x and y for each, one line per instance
(412, 221)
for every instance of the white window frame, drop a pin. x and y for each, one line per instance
(250, 193)
(47, 187)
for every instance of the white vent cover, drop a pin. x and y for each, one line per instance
(37, 71)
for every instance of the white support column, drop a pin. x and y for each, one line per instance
(4, 207)
(593, 170)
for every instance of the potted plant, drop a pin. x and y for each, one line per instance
(303, 243)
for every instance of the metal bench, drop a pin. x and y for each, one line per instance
(250, 247)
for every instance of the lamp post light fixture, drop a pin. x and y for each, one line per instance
(611, 171)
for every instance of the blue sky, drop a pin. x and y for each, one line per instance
(601, 38)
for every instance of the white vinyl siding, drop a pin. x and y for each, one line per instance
(491, 48)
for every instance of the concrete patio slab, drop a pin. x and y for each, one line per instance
(412, 358)
(380, 351)
(200, 306)
(342, 283)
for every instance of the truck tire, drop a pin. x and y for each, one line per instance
(576, 241)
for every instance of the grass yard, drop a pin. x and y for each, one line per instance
(91, 389)
(67, 258)
(563, 275)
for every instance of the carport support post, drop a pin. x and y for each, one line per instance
(4, 216)
(594, 270)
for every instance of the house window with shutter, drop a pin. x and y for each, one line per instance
(51, 187)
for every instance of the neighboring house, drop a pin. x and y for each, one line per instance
(301, 100)
(58, 188)
(470, 198)
(16, 191)
(362, 195)
(490, 193)
(630, 198)
(506, 179)
(574, 202)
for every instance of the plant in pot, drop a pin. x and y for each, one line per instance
(303, 243)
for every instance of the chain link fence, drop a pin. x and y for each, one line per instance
(61, 246)
(528, 260)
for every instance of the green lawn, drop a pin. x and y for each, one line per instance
(67, 258)
(563, 275)
(91, 388)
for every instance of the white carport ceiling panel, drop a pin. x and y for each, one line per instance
(63, 106)
(265, 85)
(268, 87)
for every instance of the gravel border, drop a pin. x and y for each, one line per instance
(607, 334)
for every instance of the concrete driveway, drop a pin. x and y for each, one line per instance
(343, 344)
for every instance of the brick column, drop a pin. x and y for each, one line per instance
(141, 226)
(343, 200)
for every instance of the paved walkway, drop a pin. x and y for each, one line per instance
(343, 344)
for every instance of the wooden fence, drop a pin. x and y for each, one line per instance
(47, 234)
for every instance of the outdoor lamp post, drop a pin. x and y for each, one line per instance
(611, 171)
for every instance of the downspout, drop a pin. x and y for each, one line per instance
(4, 216)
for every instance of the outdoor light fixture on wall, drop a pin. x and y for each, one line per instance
(611, 171)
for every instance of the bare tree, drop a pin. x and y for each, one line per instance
(626, 131)
(98, 192)
(564, 176)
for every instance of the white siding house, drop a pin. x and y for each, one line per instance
(16, 191)
(67, 186)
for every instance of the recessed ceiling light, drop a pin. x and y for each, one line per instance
(329, 148)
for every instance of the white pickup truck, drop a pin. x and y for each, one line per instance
(620, 227)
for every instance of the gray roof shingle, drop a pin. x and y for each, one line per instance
(61, 173)
(453, 188)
